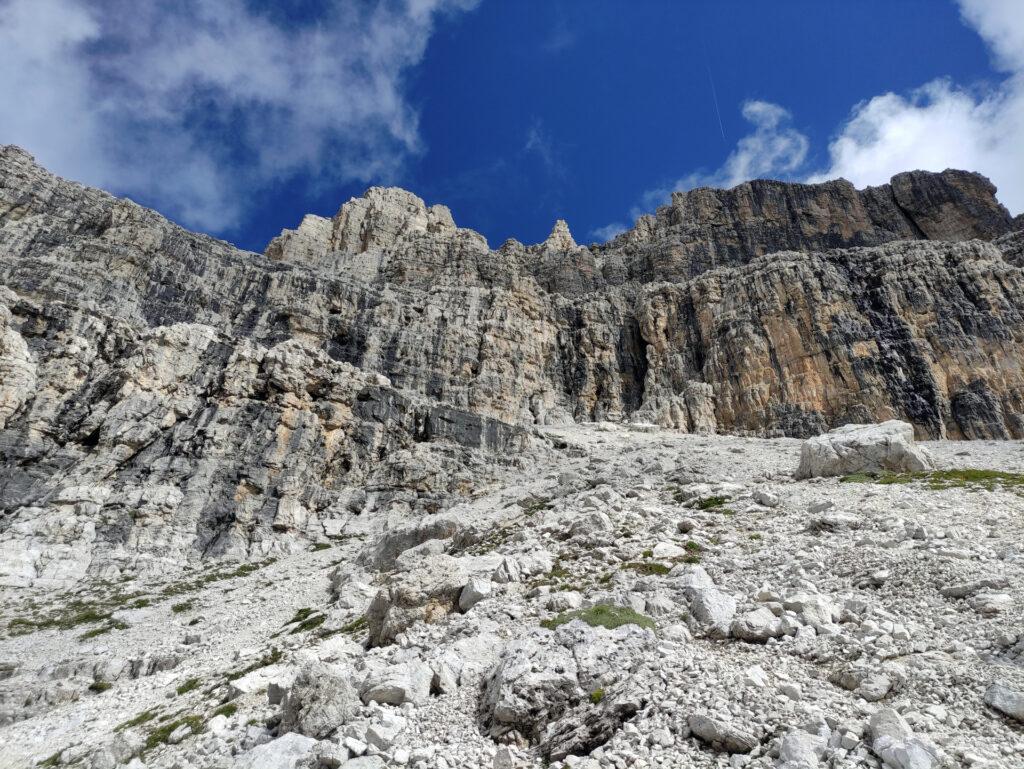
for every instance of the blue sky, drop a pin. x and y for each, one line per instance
(237, 118)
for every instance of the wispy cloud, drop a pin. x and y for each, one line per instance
(609, 231)
(194, 104)
(540, 144)
(560, 38)
(937, 126)
(774, 148)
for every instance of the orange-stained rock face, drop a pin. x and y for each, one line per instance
(269, 390)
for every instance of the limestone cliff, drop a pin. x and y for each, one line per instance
(162, 392)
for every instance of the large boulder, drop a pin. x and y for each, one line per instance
(398, 684)
(319, 702)
(426, 593)
(895, 743)
(566, 692)
(888, 446)
(286, 752)
(1007, 701)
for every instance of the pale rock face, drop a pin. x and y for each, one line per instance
(886, 447)
(895, 743)
(272, 390)
(1007, 701)
(17, 369)
(319, 702)
(427, 593)
(287, 752)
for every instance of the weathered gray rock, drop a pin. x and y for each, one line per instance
(476, 590)
(426, 593)
(722, 735)
(398, 684)
(888, 446)
(286, 752)
(207, 402)
(1007, 701)
(319, 702)
(893, 741)
(757, 626)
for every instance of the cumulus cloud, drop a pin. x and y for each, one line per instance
(195, 104)
(773, 149)
(942, 125)
(937, 126)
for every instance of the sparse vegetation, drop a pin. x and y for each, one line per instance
(53, 760)
(597, 695)
(355, 626)
(710, 503)
(534, 505)
(691, 558)
(184, 606)
(692, 547)
(215, 576)
(141, 718)
(189, 685)
(161, 734)
(318, 546)
(227, 710)
(270, 658)
(939, 480)
(99, 686)
(300, 615)
(310, 623)
(601, 615)
(98, 631)
(652, 568)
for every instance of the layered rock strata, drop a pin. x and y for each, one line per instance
(162, 392)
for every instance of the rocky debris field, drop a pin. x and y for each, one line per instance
(628, 596)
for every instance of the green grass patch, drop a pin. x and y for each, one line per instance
(939, 480)
(53, 760)
(189, 685)
(310, 623)
(692, 547)
(270, 658)
(691, 558)
(100, 686)
(601, 615)
(558, 571)
(98, 631)
(356, 626)
(161, 734)
(884, 479)
(648, 568)
(597, 695)
(300, 615)
(534, 505)
(225, 710)
(710, 503)
(220, 575)
(141, 718)
(318, 546)
(184, 606)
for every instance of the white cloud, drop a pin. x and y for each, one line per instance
(194, 104)
(942, 125)
(609, 231)
(937, 126)
(773, 149)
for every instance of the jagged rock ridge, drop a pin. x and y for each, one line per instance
(164, 393)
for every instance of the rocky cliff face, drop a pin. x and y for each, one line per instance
(162, 393)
